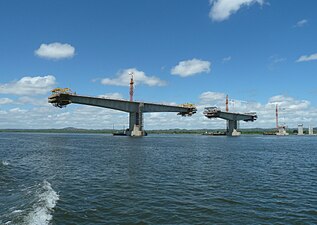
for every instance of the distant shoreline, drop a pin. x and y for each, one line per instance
(167, 131)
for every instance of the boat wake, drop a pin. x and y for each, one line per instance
(43, 208)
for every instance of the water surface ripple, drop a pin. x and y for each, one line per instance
(159, 179)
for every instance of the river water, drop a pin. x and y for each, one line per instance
(158, 179)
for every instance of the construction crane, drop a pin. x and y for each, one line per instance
(233, 102)
(131, 87)
(277, 116)
(281, 129)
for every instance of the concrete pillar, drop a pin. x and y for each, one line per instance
(300, 129)
(136, 122)
(232, 126)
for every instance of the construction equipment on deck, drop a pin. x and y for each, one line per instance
(190, 106)
(62, 102)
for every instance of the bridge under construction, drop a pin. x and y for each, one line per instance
(231, 118)
(60, 98)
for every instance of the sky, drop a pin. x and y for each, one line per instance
(258, 52)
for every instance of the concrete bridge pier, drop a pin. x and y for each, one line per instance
(136, 123)
(232, 128)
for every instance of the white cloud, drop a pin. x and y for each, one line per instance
(139, 77)
(305, 58)
(29, 86)
(289, 103)
(222, 9)
(226, 59)
(211, 97)
(55, 50)
(4, 101)
(111, 95)
(301, 23)
(25, 100)
(274, 60)
(191, 67)
(17, 110)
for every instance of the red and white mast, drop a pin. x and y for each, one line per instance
(276, 116)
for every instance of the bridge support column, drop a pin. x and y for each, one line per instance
(136, 123)
(232, 126)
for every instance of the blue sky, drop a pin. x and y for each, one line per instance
(260, 52)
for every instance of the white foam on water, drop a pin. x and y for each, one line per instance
(5, 163)
(17, 211)
(42, 210)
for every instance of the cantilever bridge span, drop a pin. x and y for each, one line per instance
(231, 118)
(135, 109)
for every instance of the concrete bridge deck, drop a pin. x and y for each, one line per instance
(135, 109)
